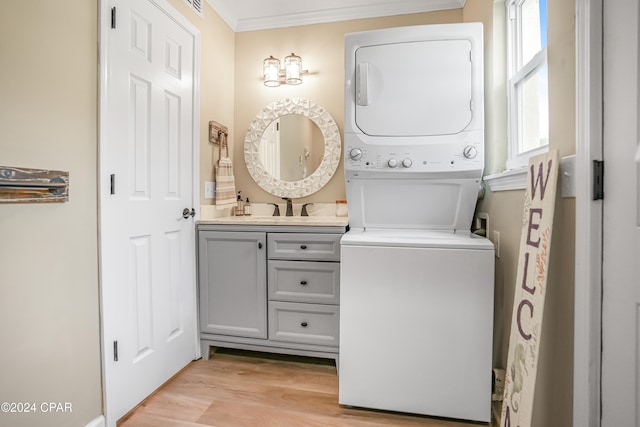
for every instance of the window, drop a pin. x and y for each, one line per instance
(527, 74)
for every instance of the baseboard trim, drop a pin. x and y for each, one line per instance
(97, 422)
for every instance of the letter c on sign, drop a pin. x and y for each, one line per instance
(519, 316)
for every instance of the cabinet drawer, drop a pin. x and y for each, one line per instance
(304, 323)
(304, 281)
(298, 246)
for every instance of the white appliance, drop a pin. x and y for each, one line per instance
(416, 299)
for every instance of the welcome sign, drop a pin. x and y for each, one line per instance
(531, 286)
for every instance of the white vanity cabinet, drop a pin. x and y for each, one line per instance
(270, 288)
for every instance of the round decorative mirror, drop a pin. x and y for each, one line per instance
(292, 148)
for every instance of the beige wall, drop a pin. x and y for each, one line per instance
(554, 396)
(217, 76)
(553, 399)
(48, 259)
(489, 12)
(321, 47)
(49, 294)
(50, 331)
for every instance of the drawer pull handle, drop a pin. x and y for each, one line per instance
(303, 246)
(303, 282)
(259, 245)
(304, 324)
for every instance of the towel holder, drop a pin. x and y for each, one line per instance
(215, 131)
(24, 185)
(218, 136)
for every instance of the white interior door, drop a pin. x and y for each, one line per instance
(621, 225)
(147, 146)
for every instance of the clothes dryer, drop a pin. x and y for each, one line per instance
(416, 299)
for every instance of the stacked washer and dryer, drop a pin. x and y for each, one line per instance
(416, 299)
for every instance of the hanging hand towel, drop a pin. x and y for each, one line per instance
(225, 183)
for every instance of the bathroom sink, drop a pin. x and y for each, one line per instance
(320, 215)
(278, 220)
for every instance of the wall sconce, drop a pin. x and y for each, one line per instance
(291, 75)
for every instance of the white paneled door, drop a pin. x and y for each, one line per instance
(621, 223)
(147, 143)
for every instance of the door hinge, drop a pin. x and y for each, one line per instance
(115, 351)
(112, 180)
(113, 17)
(598, 179)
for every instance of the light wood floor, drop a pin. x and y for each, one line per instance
(243, 389)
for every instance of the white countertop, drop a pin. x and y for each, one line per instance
(279, 220)
(319, 215)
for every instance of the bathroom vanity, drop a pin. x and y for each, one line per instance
(270, 284)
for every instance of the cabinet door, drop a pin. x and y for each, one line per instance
(233, 289)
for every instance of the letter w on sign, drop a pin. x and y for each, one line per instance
(531, 285)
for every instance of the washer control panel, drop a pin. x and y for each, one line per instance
(439, 157)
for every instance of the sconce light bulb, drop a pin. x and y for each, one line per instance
(271, 69)
(293, 69)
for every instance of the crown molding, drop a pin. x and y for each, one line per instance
(386, 8)
(228, 15)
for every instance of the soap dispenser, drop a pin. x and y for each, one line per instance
(239, 209)
(247, 207)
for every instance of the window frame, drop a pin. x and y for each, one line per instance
(517, 74)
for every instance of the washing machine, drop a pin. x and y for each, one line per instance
(416, 298)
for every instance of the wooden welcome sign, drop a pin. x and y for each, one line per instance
(531, 286)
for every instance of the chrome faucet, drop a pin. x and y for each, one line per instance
(289, 206)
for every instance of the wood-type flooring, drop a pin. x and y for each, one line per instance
(244, 389)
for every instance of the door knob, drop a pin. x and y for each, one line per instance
(186, 213)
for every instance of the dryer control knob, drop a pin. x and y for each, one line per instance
(392, 163)
(355, 154)
(470, 152)
(407, 163)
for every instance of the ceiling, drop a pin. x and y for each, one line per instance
(250, 15)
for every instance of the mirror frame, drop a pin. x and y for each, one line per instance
(330, 159)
